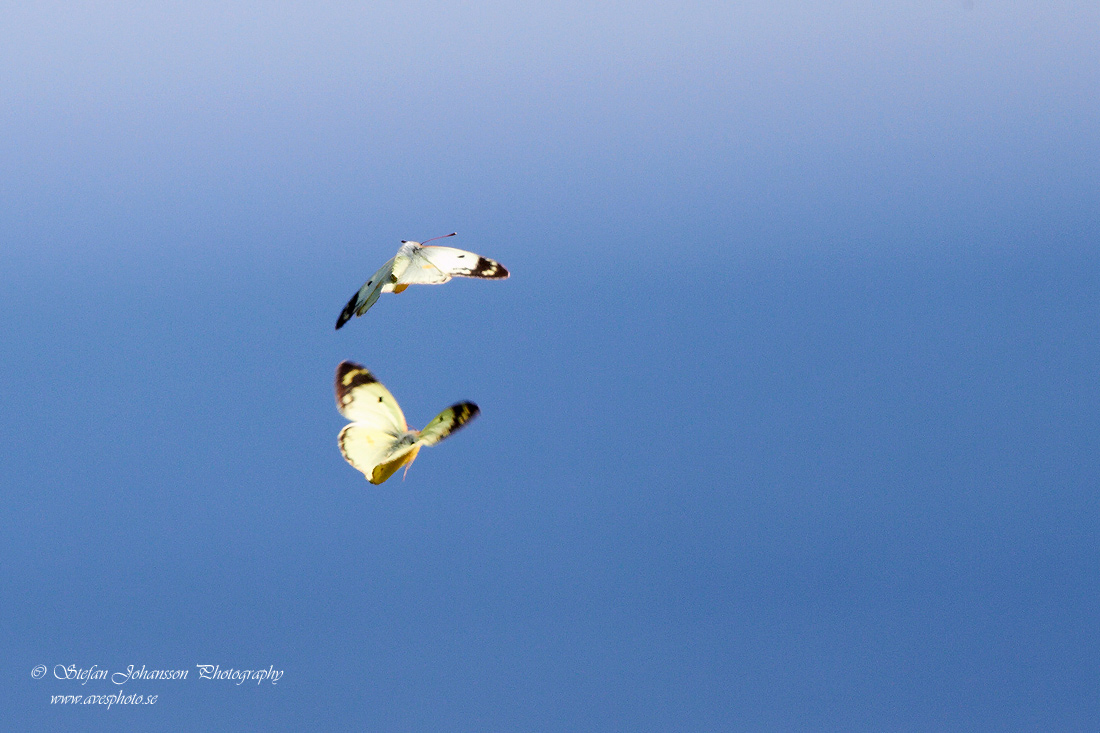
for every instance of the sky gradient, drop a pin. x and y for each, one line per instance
(789, 409)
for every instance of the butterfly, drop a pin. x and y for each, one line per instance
(416, 264)
(378, 441)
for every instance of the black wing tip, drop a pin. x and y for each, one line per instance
(489, 269)
(348, 367)
(464, 413)
(460, 414)
(348, 312)
(350, 375)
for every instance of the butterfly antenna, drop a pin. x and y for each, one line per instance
(442, 236)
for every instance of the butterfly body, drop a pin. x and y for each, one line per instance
(378, 441)
(420, 264)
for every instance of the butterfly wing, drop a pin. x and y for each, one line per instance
(362, 398)
(447, 422)
(376, 453)
(433, 265)
(368, 294)
(383, 471)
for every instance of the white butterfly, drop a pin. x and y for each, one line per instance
(378, 442)
(416, 264)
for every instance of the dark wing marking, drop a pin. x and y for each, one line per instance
(348, 312)
(447, 422)
(488, 268)
(350, 375)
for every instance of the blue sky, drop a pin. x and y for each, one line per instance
(789, 408)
